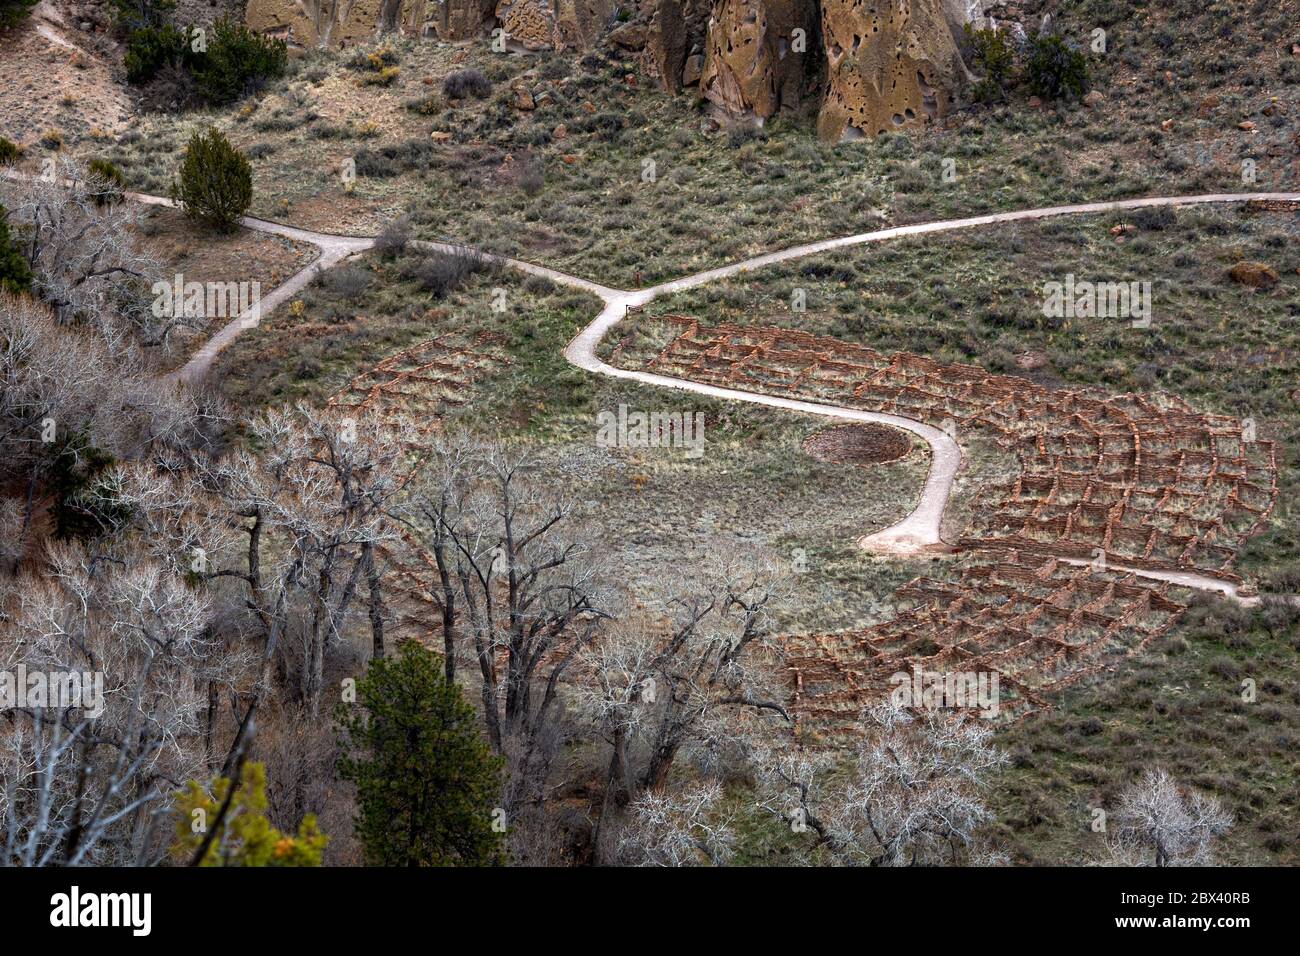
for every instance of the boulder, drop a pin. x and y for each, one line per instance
(693, 69)
(630, 37)
(1257, 275)
(522, 99)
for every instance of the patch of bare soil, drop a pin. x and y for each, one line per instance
(337, 212)
(61, 78)
(858, 444)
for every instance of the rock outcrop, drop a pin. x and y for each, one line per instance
(674, 42)
(529, 24)
(554, 24)
(449, 19)
(316, 22)
(867, 66)
(889, 64)
(870, 65)
(757, 55)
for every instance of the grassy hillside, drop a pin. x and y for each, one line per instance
(611, 178)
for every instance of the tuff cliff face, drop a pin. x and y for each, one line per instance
(757, 55)
(674, 42)
(316, 22)
(888, 64)
(870, 66)
(529, 24)
(554, 24)
(450, 19)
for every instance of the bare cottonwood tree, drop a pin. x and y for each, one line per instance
(698, 672)
(1163, 824)
(86, 262)
(294, 519)
(679, 828)
(81, 787)
(518, 592)
(66, 394)
(915, 795)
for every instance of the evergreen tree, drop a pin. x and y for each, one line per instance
(426, 780)
(215, 185)
(237, 62)
(1054, 69)
(244, 837)
(15, 274)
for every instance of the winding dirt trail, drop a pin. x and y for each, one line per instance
(919, 531)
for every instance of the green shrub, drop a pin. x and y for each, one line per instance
(991, 52)
(385, 77)
(8, 151)
(15, 275)
(992, 55)
(215, 184)
(11, 11)
(1054, 69)
(428, 105)
(374, 61)
(149, 49)
(237, 62)
(109, 179)
(393, 159)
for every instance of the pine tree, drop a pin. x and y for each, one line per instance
(15, 275)
(426, 780)
(215, 184)
(244, 837)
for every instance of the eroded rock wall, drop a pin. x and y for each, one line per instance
(867, 66)
(316, 22)
(754, 60)
(529, 24)
(889, 64)
(554, 24)
(675, 36)
(871, 66)
(449, 19)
